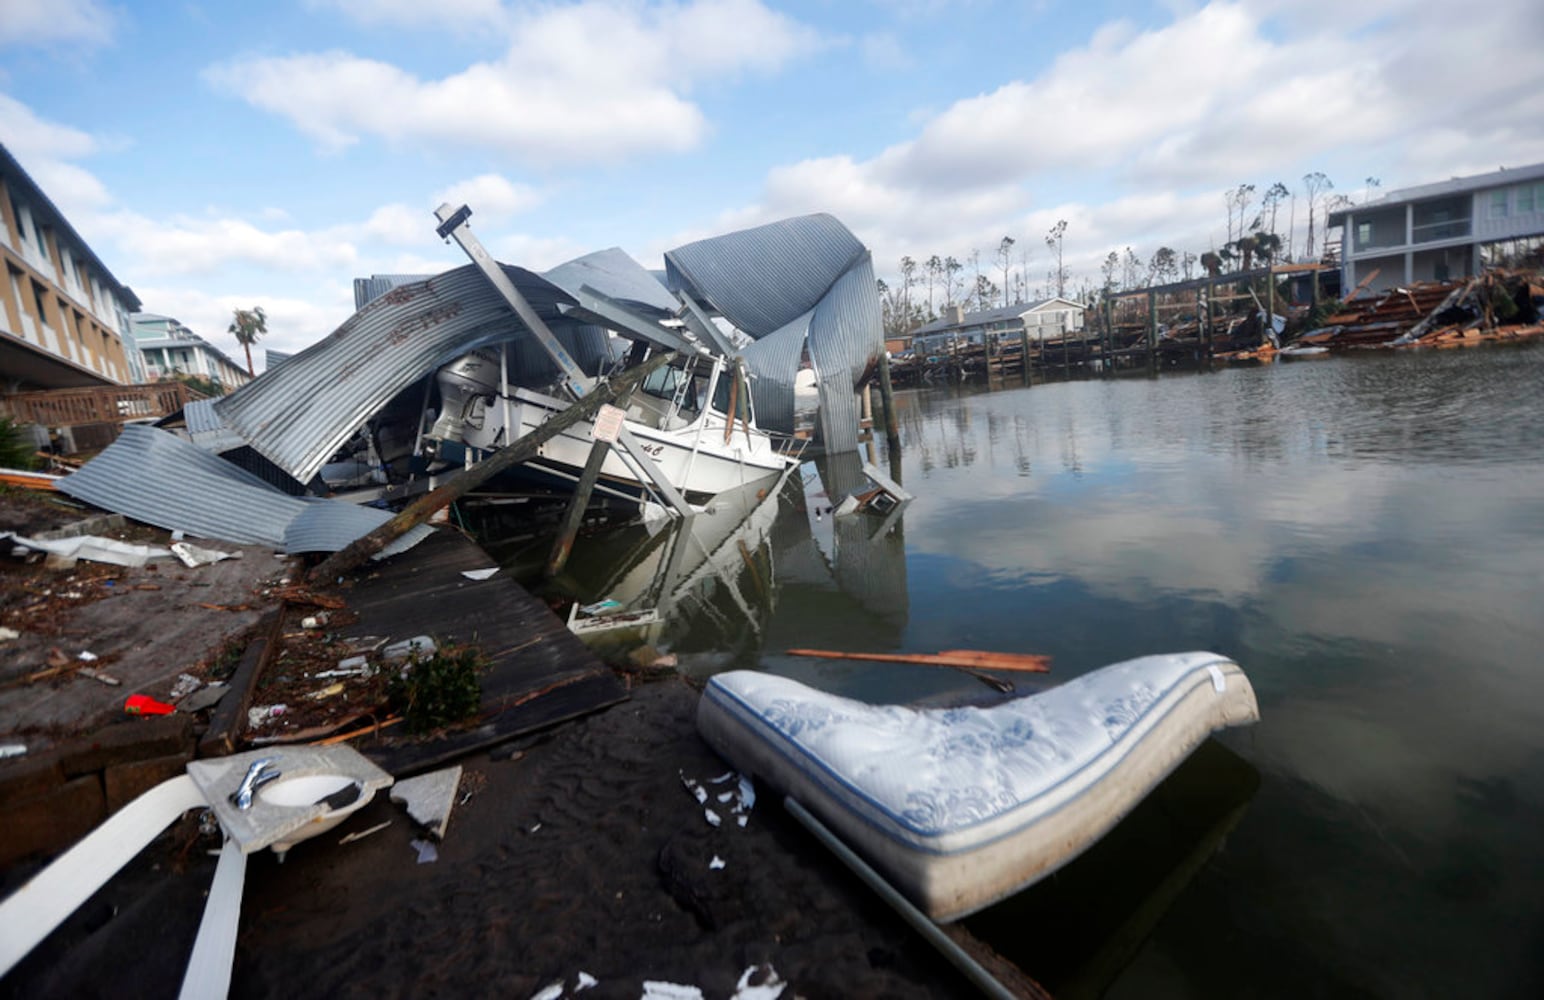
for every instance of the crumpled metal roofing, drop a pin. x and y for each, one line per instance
(156, 477)
(206, 428)
(617, 276)
(300, 414)
(765, 281)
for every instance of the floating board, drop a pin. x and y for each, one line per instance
(962, 807)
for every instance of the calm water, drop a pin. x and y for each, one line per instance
(1365, 535)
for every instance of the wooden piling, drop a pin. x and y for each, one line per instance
(1152, 333)
(887, 398)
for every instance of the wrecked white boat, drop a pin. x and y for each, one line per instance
(695, 422)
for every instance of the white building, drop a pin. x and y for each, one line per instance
(168, 349)
(1046, 319)
(1441, 231)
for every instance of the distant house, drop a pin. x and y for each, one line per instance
(168, 349)
(1441, 231)
(1047, 319)
(63, 316)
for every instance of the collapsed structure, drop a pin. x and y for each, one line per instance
(433, 372)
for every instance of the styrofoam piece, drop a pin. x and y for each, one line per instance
(429, 798)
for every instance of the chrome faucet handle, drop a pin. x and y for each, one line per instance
(256, 777)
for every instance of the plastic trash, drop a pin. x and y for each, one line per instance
(139, 704)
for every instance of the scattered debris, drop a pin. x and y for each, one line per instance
(193, 556)
(426, 851)
(204, 697)
(12, 750)
(323, 694)
(86, 656)
(98, 675)
(139, 704)
(63, 552)
(315, 621)
(429, 798)
(7, 634)
(362, 834)
(406, 649)
(716, 864)
(258, 715)
(654, 989)
(768, 985)
(186, 684)
(479, 574)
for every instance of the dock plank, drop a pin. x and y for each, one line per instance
(539, 672)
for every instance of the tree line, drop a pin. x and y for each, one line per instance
(1254, 239)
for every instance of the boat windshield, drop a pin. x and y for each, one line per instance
(674, 386)
(725, 389)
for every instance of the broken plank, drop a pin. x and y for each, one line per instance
(983, 659)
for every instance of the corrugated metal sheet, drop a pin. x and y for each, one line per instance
(617, 276)
(764, 281)
(329, 525)
(206, 428)
(156, 477)
(367, 290)
(773, 361)
(762, 278)
(845, 337)
(298, 415)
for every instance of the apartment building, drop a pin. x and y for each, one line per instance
(168, 349)
(64, 318)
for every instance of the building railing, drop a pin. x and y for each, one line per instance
(98, 404)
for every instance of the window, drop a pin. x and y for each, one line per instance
(37, 297)
(1498, 200)
(41, 234)
(1530, 198)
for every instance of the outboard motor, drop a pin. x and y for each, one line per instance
(467, 385)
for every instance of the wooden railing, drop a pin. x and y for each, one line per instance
(98, 404)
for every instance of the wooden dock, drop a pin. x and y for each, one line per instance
(539, 672)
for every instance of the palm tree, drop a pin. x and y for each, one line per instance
(248, 325)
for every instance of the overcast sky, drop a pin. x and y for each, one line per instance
(220, 155)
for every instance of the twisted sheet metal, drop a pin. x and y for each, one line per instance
(617, 276)
(769, 281)
(158, 478)
(300, 414)
(769, 359)
(842, 348)
(762, 278)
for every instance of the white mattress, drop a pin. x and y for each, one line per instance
(961, 807)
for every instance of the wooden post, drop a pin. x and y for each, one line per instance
(1152, 333)
(523, 449)
(573, 517)
(1109, 335)
(1270, 300)
(887, 397)
(1028, 378)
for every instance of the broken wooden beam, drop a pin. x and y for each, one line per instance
(979, 659)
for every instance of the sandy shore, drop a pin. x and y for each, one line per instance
(580, 853)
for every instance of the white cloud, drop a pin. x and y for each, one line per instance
(597, 80)
(27, 135)
(1140, 131)
(491, 196)
(55, 22)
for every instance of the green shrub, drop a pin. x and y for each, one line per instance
(17, 450)
(436, 691)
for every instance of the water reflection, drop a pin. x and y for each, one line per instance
(1364, 535)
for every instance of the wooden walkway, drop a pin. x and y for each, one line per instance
(539, 674)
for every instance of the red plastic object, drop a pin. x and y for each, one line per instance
(139, 704)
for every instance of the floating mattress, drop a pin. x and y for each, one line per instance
(961, 807)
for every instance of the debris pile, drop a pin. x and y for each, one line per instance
(1495, 306)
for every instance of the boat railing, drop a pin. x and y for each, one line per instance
(789, 446)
